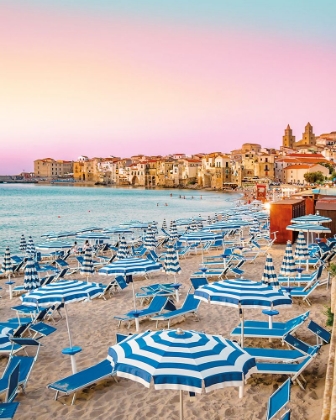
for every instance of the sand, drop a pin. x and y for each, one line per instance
(93, 328)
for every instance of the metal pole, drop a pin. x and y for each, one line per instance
(181, 404)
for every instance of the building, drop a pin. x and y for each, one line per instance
(288, 139)
(308, 138)
(294, 174)
(50, 168)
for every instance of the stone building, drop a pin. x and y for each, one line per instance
(50, 168)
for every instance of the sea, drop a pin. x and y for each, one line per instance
(34, 209)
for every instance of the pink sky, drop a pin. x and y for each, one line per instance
(115, 85)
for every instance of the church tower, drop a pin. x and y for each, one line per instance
(308, 137)
(288, 139)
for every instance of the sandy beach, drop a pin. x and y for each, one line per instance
(93, 328)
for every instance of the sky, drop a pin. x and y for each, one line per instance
(102, 77)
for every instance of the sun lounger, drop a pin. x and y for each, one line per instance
(26, 364)
(117, 282)
(305, 293)
(275, 355)
(294, 371)
(9, 407)
(148, 292)
(80, 380)
(322, 335)
(18, 290)
(260, 329)
(278, 400)
(197, 282)
(156, 306)
(305, 278)
(190, 306)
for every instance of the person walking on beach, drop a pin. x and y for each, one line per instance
(86, 245)
(74, 249)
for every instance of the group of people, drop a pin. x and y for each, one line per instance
(76, 250)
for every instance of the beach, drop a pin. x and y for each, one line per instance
(93, 328)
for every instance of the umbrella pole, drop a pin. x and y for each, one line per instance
(241, 310)
(67, 322)
(181, 404)
(241, 389)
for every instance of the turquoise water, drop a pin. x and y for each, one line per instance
(35, 209)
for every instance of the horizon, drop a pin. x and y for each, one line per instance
(142, 77)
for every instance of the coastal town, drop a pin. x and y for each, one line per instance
(290, 164)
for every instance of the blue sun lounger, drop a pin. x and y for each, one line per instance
(9, 407)
(291, 369)
(260, 329)
(278, 400)
(299, 352)
(305, 278)
(80, 380)
(322, 335)
(190, 306)
(157, 305)
(26, 364)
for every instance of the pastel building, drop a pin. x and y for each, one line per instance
(50, 168)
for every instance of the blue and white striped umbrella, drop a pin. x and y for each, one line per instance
(209, 221)
(164, 224)
(308, 228)
(150, 241)
(30, 250)
(154, 228)
(269, 277)
(193, 226)
(200, 236)
(242, 294)
(66, 292)
(182, 360)
(93, 235)
(122, 249)
(31, 279)
(311, 219)
(301, 250)
(87, 268)
(63, 234)
(288, 264)
(23, 243)
(53, 245)
(199, 224)
(7, 263)
(128, 266)
(171, 261)
(173, 230)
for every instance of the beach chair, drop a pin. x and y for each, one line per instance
(117, 282)
(322, 335)
(278, 400)
(297, 352)
(157, 305)
(19, 290)
(260, 329)
(9, 407)
(305, 278)
(236, 270)
(76, 382)
(293, 370)
(6, 346)
(148, 292)
(26, 364)
(197, 282)
(183, 252)
(62, 264)
(305, 293)
(217, 244)
(190, 306)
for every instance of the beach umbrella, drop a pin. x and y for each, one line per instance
(63, 292)
(93, 236)
(154, 228)
(242, 294)
(173, 230)
(311, 219)
(269, 277)
(309, 228)
(150, 241)
(182, 360)
(209, 220)
(31, 279)
(193, 226)
(23, 243)
(301, 250)
(288, 264)
(8, 270)
(122, 249)
(53, 245)
(30, 250)
(64, 234)
(172, 264)
(164, 224)
(199, 225)
(87, 268)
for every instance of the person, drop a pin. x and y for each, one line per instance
(74, 249)
(86, 245)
